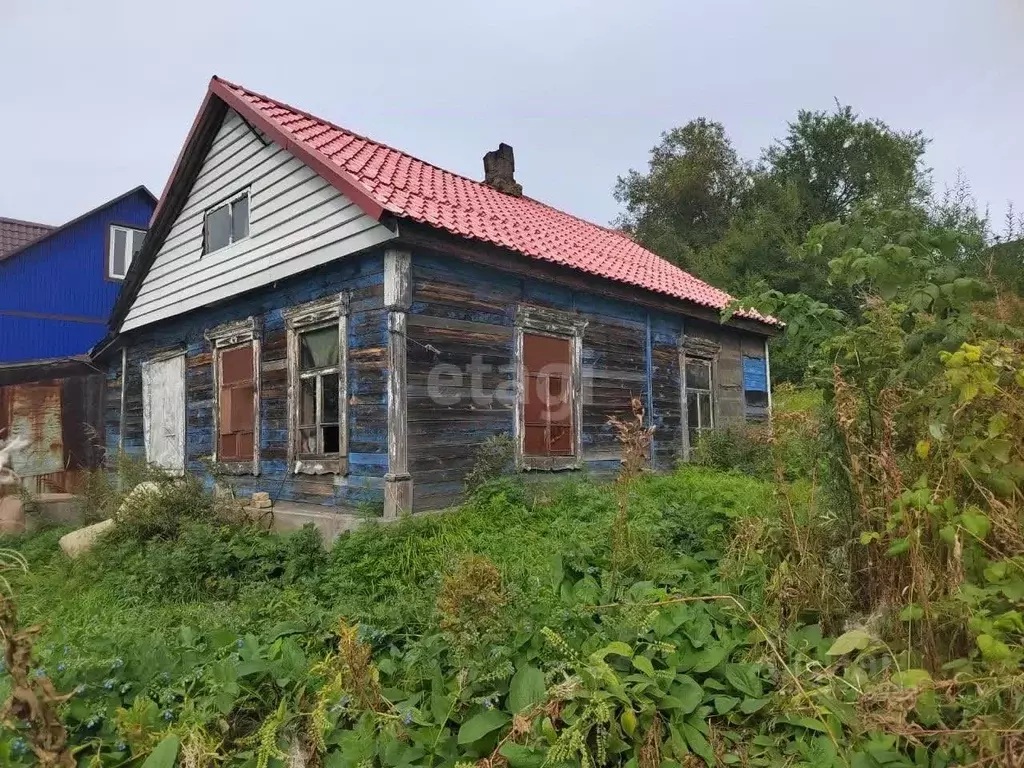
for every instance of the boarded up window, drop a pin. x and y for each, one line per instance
(548, 427)
(755, 384)
(163, 412)
(700, 412)
(237, 415)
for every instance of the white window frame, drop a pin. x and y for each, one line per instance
(542, 321)
(329, 312)
(226, 336)
(131, 233)
(229, 203)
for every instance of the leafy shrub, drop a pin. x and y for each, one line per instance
(470, 604)
(494, 460)
(742, 448)
(106, 490)
(164, 508)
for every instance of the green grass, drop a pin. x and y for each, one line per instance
(386, 575)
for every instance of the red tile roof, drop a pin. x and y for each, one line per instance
(16, 234)
(381, 178)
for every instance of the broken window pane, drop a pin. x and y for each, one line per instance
(318, 349)
(756, 399)
(698, 374)
(307, 440)
(329, 408)
(240, 218)
(704, 402)
(218, 229)
(332, 438)
(307, 402)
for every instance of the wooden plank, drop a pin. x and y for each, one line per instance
(467, 326)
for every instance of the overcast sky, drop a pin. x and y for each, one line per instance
(96, 96)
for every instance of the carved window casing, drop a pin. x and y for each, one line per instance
(549, 397)
(236, 386)
(318, 386)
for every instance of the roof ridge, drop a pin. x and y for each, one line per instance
(26, 222)
(310, 116)
(364, 137)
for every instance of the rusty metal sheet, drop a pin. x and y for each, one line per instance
(33, 411)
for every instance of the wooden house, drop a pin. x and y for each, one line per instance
(328, 319)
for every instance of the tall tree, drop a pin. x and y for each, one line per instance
(837, 160)
(689, 193)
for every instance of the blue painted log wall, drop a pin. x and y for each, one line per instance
(628, 350)
(363, 277)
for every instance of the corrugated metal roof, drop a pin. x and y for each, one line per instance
(381, 178)
(15, 234)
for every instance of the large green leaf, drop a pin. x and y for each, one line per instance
(522, 757)
(848, 642)
(526, 689)
(643, 664)
(744, 678)
(688, 692)
(709, 658)
(617, 647)
(696, 741)
(165, 755)
(749, 706)
(482, 724)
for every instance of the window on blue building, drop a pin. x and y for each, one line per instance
(123, 243)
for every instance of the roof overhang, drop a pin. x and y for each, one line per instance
(27, 371)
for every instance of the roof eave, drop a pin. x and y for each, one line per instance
(172, 199)
(338, 177)
(141, 189)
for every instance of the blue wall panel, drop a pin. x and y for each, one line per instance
(363, 276)
(63, 276)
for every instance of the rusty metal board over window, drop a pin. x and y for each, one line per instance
(33, 411)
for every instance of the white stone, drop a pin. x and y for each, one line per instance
(81, 541)
(12, 515)
(137, 495)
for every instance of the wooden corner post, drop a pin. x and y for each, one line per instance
(397, 300)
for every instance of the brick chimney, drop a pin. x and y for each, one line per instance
(500, 169)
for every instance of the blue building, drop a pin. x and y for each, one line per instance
(59, 284)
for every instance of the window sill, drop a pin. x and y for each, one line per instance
(550, 463)
(247, 467)
(320, 465)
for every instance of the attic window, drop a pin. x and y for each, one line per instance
(123, 243)
(226, 224)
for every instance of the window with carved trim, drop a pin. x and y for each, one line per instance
(236, 384)
(700, 404)
(236, 425)
(317, 352)
(549, 392)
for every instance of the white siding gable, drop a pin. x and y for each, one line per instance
(297, 220)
